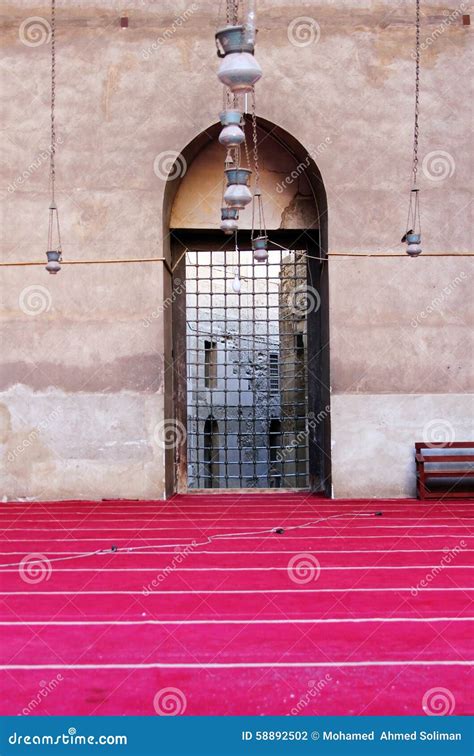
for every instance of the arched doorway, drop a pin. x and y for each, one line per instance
(257, 362)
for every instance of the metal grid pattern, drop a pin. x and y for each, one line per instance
(246, 371)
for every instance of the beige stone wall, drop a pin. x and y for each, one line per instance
(84, 367)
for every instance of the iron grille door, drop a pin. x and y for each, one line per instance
(246, 371)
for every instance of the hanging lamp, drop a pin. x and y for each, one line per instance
(54, 252)
(412, 236)
(229, 218)
(235, 45)
(232, 134)
(259, 232)
(229, 215)
(237, 194)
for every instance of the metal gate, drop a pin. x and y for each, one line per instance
(246, 370)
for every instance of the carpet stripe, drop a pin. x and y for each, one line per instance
(248, 665)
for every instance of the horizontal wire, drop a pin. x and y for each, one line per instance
(309, 257)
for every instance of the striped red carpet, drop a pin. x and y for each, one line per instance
(344, 612)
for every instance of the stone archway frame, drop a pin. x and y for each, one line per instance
(175, 242)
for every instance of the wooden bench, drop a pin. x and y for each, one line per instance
(445, 470)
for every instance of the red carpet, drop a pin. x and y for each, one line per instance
(349, 615)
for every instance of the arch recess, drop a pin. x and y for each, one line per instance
(296, 212)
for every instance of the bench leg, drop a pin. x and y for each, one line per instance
(421, 486)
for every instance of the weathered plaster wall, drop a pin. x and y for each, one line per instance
(90, 346)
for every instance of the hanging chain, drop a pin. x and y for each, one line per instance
(246, 147)
(257, 193)
(232, 12)
(255, 140)
(235, 19)
(417, 94)
(53, 210)
(52, 167)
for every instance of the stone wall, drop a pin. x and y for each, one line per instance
(86, 356)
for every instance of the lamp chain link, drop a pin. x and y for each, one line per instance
(53, 210)
(52, 166)
(417, 94)
(247, 154)
(232, 12)
(255, 139)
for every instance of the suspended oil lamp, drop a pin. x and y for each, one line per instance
(229, 218)
(54, 249)
(54, 253)
(235, 44)
(414, 245)
(412, 235)
(259, 231)
(259, 234)
(237, 195)
(260, 249)
(231, 135)
(54, 258)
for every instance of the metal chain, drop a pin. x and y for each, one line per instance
(53, 210)
(52, 167)
(232, 12)
(417, 94)
(255, 140)
(247, 154)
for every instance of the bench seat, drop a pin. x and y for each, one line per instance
(445, 469)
